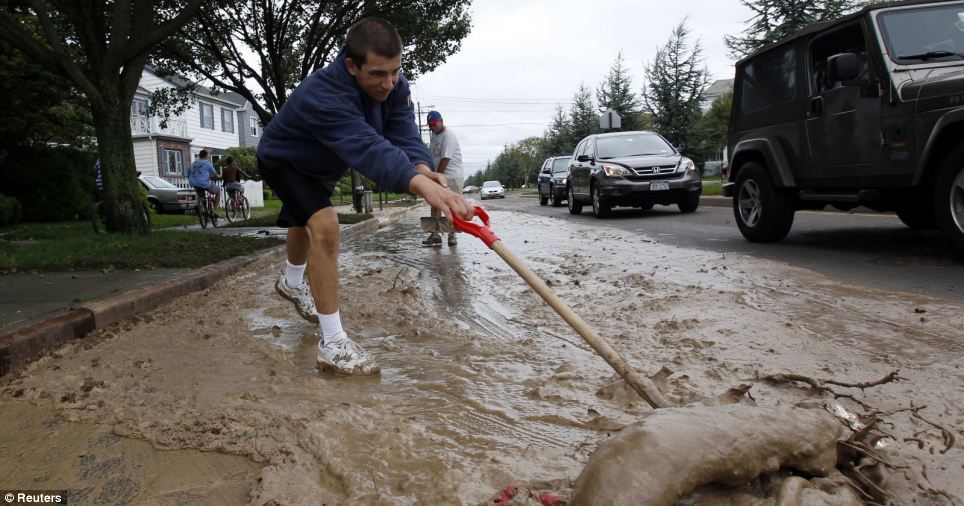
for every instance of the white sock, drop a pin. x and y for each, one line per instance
(330, 326)
(294, 274)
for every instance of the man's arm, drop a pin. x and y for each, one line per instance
(442, 165)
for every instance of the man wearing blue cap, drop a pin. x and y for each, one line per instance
(448, 162)
(356, 112)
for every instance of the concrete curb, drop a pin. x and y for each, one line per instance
(29, 343)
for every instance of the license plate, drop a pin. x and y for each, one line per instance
(659, 185)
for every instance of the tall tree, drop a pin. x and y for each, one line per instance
(675, 82)
(615, 92)
(583, 118)
(262, 49)
(101, 46)
(774, 19)
(558, 137)
(709, 133)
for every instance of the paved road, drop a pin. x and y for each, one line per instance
(867, 249)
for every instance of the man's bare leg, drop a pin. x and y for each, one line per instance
(323, 239)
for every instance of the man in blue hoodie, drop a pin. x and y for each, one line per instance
(200, 174)
(356, 112)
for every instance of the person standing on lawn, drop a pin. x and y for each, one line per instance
(356, 112)
(448, 161)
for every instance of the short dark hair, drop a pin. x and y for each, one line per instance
(203, 153)
(230, 160)
(372, 34)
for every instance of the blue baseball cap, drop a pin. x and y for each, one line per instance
(434, 117)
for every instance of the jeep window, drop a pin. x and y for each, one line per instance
(846, 40)
(924, 34)
(560, 165)
(769, 80)
(622, 146)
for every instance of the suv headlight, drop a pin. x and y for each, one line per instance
(616, 170)
(686, 165)
(560, 180)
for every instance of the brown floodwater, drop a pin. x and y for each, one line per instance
(482, 384)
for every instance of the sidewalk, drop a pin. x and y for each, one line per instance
(41, 311)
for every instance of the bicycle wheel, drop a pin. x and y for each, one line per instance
(245, 208)
(202, 215)
(98, 218)
(230, 209)
(213, 215)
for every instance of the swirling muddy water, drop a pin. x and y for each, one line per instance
(482, 384)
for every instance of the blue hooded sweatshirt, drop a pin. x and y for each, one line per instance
(330, 124)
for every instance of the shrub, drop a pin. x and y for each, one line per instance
(10, 211)
(51, 183)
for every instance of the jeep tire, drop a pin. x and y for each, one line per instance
(918, 214)
(763, 212)
(949, 199)
(574, 207)
(600, 207)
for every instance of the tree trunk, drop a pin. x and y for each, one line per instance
(125, 206)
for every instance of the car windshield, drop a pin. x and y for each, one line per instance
(157, 182)
(491, 184)
(622, 146)
(560, 165)
(920, 35)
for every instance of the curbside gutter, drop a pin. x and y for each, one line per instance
(27, 344)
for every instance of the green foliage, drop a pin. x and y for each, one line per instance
(709, 133)
(615, 92)
(517, 164)
(775, 19)
(675, 82)
(244, 156)
(10, 210)
(291, 39)
(52, 183)
(583, 117)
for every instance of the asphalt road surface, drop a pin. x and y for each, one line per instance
(874, 250)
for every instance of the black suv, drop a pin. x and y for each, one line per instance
(637, 169)
(552, 180)
(863, 110)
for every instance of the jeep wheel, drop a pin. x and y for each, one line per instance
(763, 212)
(949, 199)
(600, 208)
(574, 207)
(918, 215)
(689, 203)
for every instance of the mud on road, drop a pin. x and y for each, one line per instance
(482, 385)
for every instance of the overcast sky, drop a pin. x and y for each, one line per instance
(525, 56)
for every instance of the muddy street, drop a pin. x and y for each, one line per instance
(482, 384)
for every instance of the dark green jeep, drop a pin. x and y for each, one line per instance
(866, 110)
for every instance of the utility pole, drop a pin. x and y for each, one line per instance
(422, 128)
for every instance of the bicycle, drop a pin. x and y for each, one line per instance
(205, 210)
(98, 216)
(236, 205)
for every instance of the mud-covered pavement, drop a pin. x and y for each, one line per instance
(482, 385)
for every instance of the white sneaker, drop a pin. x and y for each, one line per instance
(300, 297)
(342, 355)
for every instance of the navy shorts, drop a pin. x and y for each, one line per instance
(302, 195)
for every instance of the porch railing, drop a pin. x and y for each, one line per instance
(144, 125)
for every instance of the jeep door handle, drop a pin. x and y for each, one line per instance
(816, 106)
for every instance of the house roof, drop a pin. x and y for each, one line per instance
(719, 87)
(204, 91)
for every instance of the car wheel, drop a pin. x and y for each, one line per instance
(574, 207)
(543, 200)
(763, 212)
(646, 207)
(689, 203)
(918, 215)
(600, 208)
(556, 201)
(949, 199)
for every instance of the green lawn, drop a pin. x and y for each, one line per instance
(712, 186)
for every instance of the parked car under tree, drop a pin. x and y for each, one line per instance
(165, 197)
(633, 169)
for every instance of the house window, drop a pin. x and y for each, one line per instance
(173, 162)
(253, 121)
(227, 120)
(207, 116)
(139, 119)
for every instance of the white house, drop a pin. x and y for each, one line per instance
(211, 122)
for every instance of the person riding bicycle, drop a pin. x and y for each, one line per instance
(231, 174)
(200, 174)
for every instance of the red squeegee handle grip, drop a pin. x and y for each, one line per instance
(481, 231)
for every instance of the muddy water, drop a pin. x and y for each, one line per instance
(482, 385)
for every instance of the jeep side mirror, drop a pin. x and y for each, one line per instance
(583, 158)
(842, 67)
